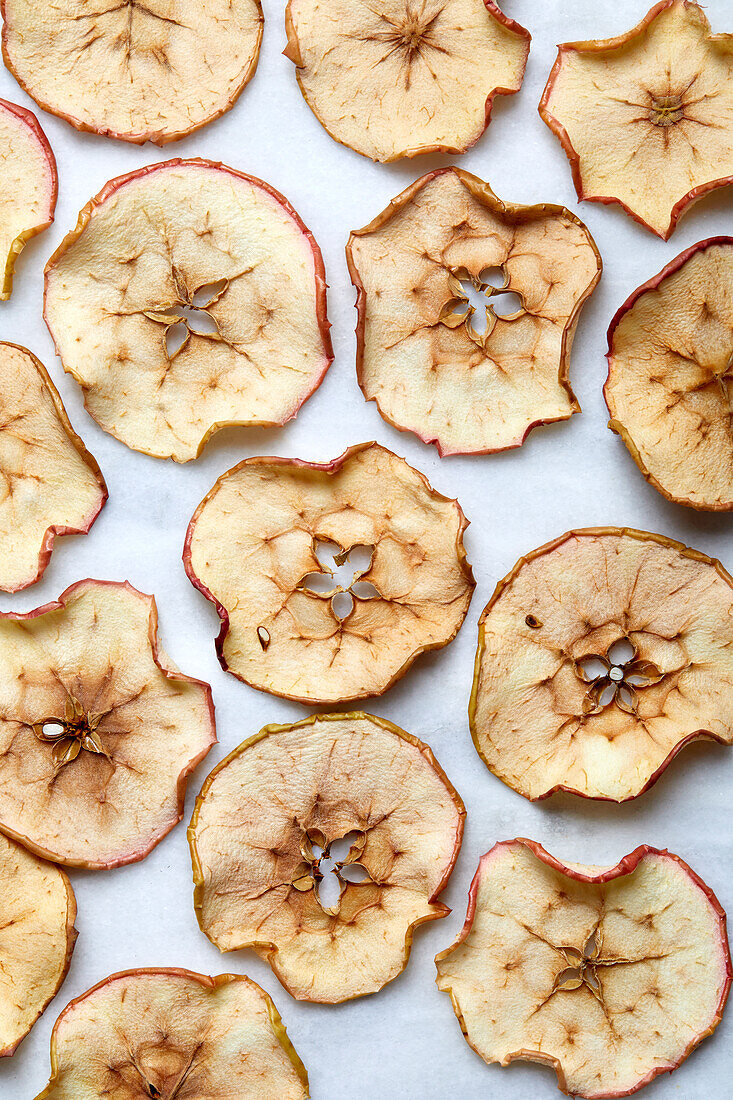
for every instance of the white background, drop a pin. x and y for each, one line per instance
(403, 1042)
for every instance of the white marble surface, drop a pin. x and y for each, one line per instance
(403, 1043)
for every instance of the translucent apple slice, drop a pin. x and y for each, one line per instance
(37, 936)
(189, 297)
(670, 377)
(29, 189)
(173, 1035)
(467, 311)
(404, 77)
(98, 730)
(329, 579)
(610, 975)
(49, 483)
(646, 119)
(322, 846)
(137, 70)
(600, 657)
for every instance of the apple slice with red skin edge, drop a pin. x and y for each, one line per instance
(286, 800)
(610, 976)
(600, 656)
(465, 382)
(30, 185)
(280, 632)
(99, 730)
(646, 119)
(165, 1033)
(189, 297)
(406, 78)
(670, 376)
(37, 937)
(136, 65)
(49, 483)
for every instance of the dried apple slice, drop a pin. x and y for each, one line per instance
(137, 70)
(471, 376)
(404, 77)
(173, 1035)
(610, 975)
(646, 119)
(670, 377)
(49, 483)
(600, 657)
(189, 297)
(29, 185)
(338, 800)
(292, 624)
(37, 935)
(98, 730)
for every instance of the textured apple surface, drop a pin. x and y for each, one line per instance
(646, 119)
(404, 77)
(29, 186)
(670, 375)
(99, 731)
(189, 297)
(49, 483)
(609, 975)
(471, 377)
(173, 1035)
(600, 656)
(37, 938)
(344, 795)
(139, 71)
(284, 626)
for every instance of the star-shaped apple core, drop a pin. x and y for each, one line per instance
(331, 864)
(615, 677)
(479, 301)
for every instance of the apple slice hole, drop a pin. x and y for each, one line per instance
(342, 604)
(621, 652)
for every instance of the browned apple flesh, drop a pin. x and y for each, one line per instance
(29, 186)
(646, 119)
(404, 77)
(37, 934)
(467, 311)
(609, 975)
(138, 70)
(98, 730)
(189, 297)
(173, 1035)
(321, 846)
(600, 657)
(49, 483)
(670, 377)
(329, 579)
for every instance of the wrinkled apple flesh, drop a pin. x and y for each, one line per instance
(611, 976)
(321, 846)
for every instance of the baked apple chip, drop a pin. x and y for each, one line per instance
(646, 119)
(600, 657)
(321, 846)
(98, 731)
(173, 1035)
(670, 377)
(329, 579)
(137, 70)
(49, 483)
(610, 975)
(189, 297)
(29, 186)
(467, 311)
(404, 77)
(37, 935)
